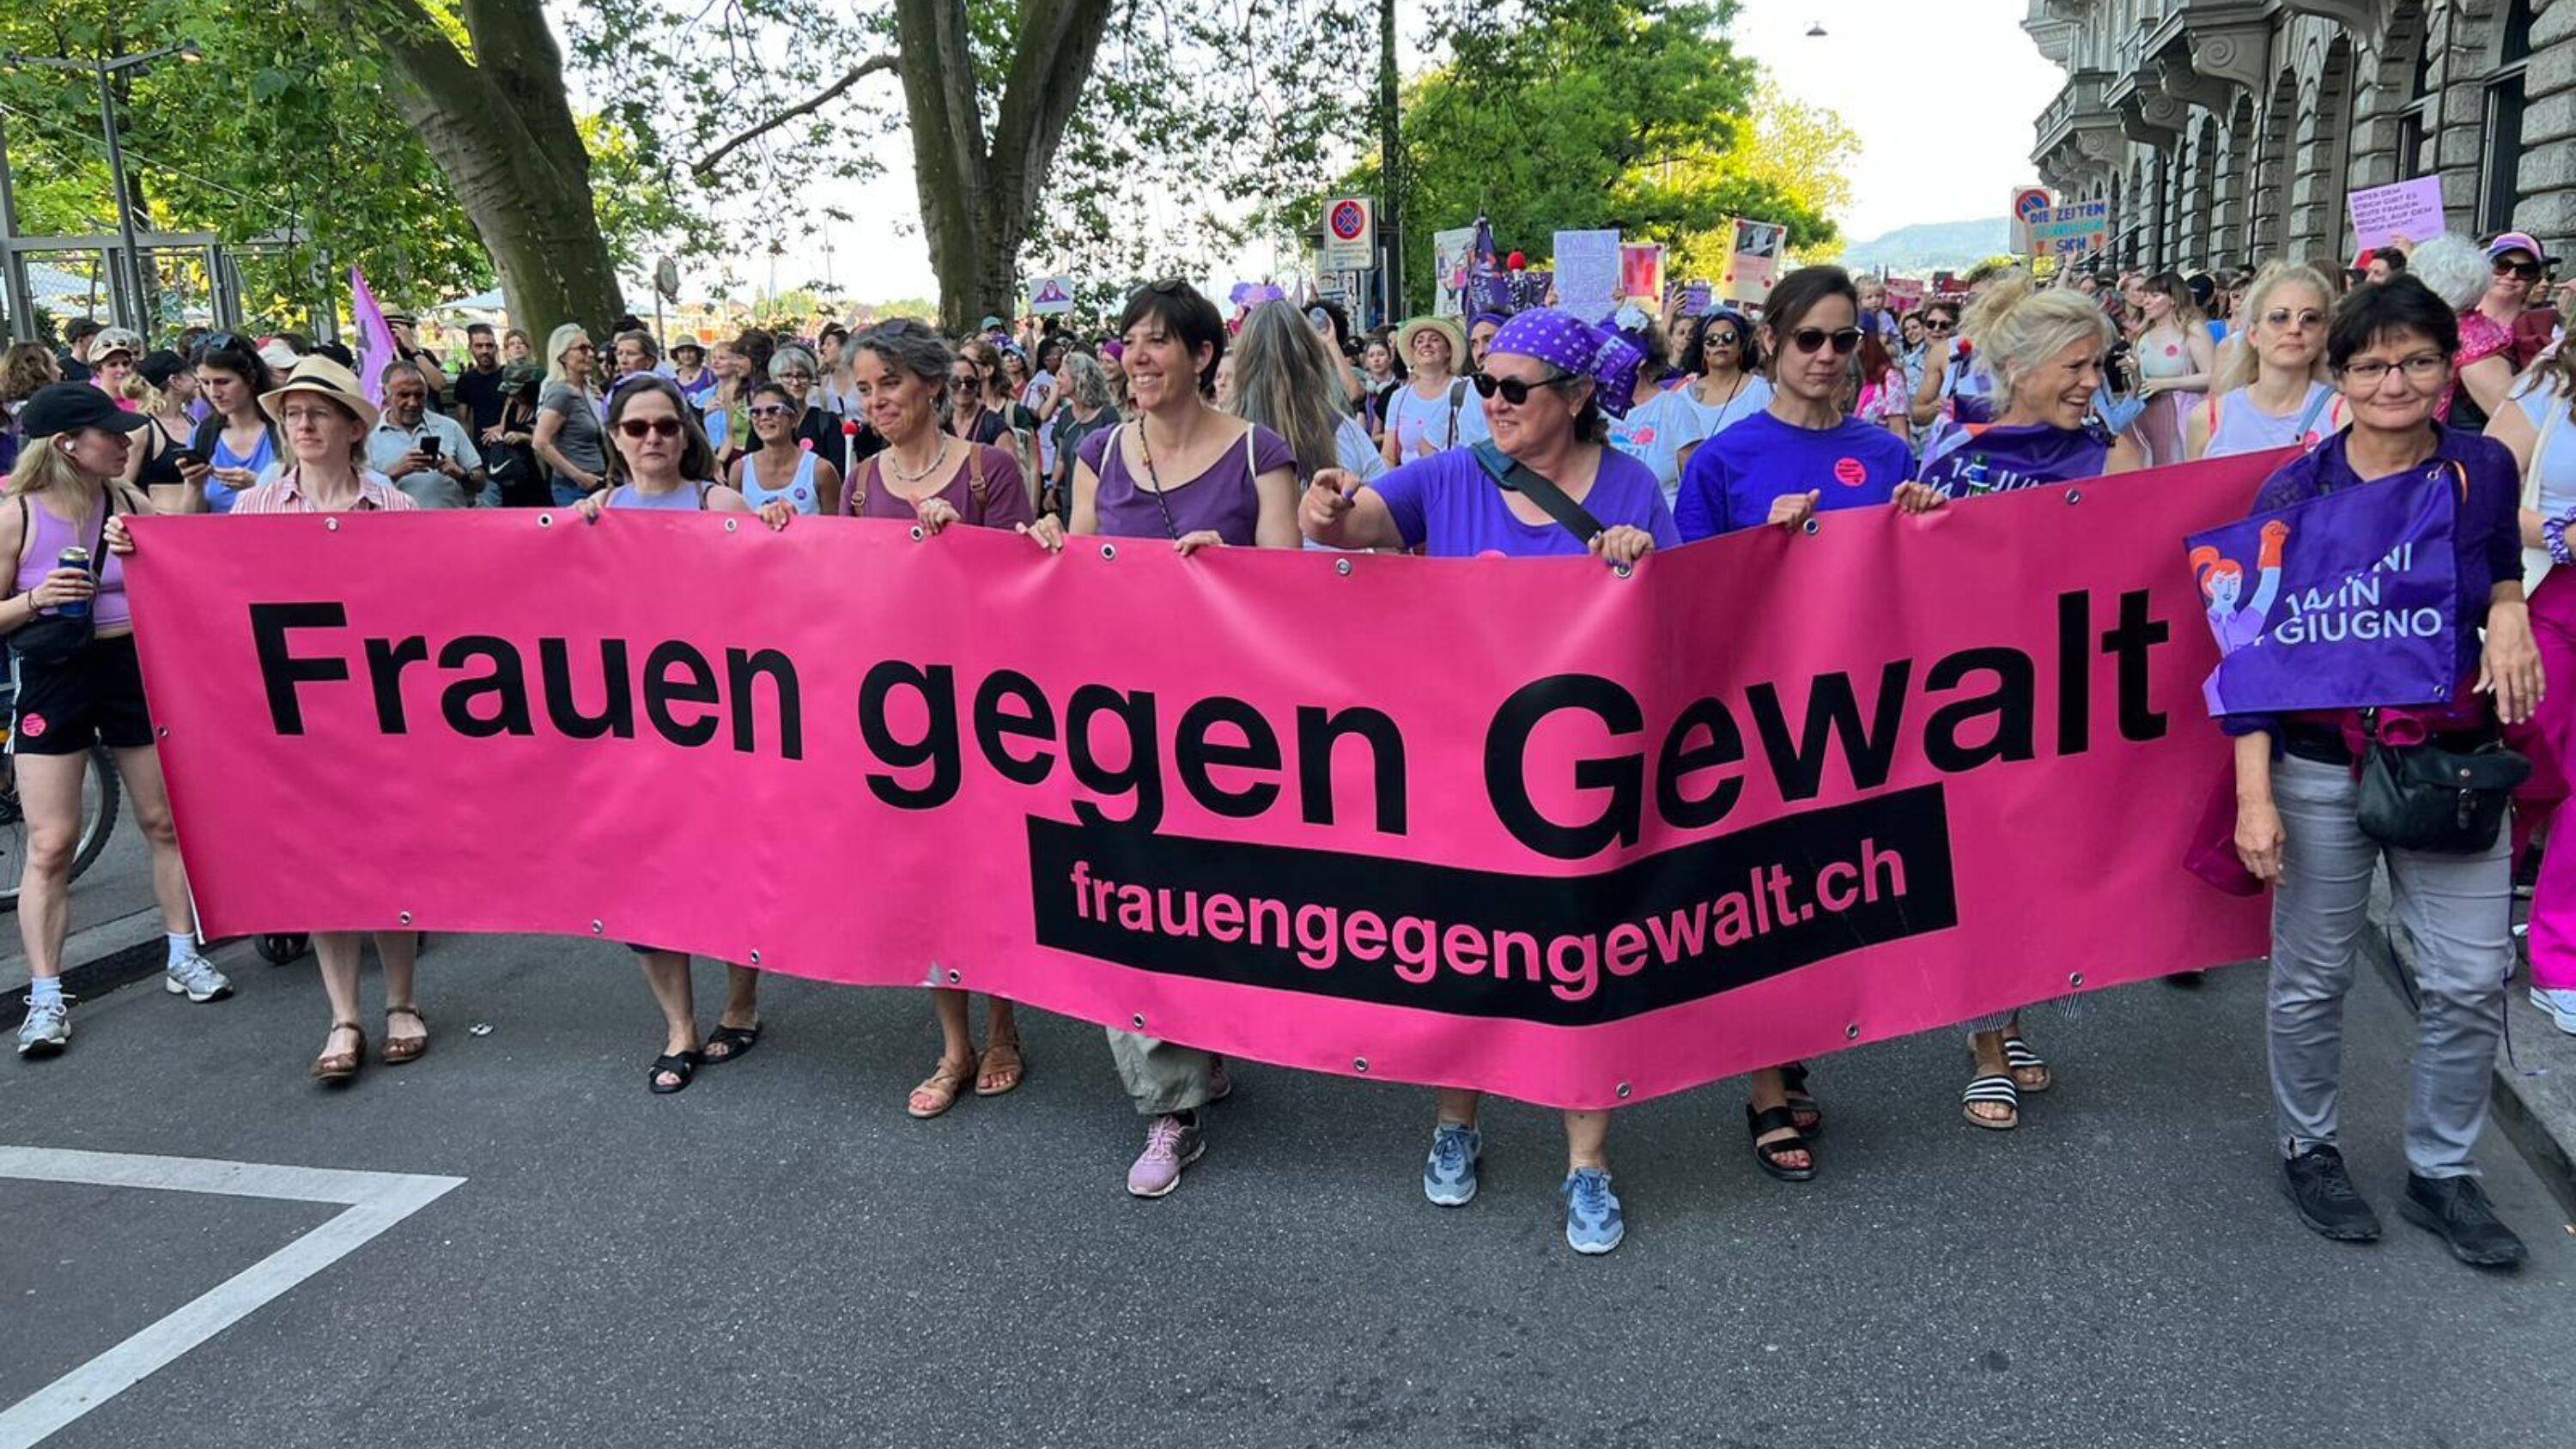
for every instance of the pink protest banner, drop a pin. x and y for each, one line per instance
(1525, 825)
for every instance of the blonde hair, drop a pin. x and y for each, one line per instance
(2005, 287)
(558, 342)
(1283, 381)
(2019, 328)
(2245, 364)
(44, 463)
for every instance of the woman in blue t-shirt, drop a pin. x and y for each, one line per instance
(1546, 382)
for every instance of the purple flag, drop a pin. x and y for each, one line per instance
(1489, 287)
(2345, 601)
(375, 339)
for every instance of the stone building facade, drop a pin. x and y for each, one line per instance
(2230, 131)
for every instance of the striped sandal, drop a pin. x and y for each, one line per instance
(2029, 1070)
(1997, 1090)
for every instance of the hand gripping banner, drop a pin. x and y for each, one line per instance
(1523, 825)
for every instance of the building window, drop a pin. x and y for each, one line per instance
(2499, 179)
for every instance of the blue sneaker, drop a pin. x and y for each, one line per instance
(1449, 1178)
(1592, 1221)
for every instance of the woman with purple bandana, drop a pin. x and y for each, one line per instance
(1546, 382)
(1183, 472)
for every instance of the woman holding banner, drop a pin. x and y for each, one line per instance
(2272, 391)
(79, 683)
(1547, 382)
(2539, 428)
(663, 463)
(2038, 359)
(2307, 825)
(783, 466)
(1180, 471)
(2176, 358)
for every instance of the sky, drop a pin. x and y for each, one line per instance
(1945, 113)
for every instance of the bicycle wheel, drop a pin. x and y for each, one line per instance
(101, 791)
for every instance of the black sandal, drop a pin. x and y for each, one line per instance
(1766, 1155)
(1803, 1106)
(682, 1065)
(736, 1041)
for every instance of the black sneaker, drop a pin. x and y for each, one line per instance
(2456, 1209)
(2316, 1185)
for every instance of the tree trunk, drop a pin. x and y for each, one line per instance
(501, 130)
(977, 198)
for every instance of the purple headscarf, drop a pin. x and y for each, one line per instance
(1571, 345)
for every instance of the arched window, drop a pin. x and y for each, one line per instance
(2416, 123)
(2499, 179)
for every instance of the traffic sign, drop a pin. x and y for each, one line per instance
(1350, 234)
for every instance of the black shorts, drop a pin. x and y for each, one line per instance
(62, 709)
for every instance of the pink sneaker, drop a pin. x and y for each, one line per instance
(1170, 1145)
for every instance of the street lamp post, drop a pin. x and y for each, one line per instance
(137, 294)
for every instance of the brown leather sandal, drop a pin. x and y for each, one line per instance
(1001, 1064)
(401, 1049)
(341, 1066)
(938, 1091)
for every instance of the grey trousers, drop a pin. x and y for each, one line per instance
(1162, 1076)
(2458, 908)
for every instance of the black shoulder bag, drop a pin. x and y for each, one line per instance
(1518, 477)
(51, 640)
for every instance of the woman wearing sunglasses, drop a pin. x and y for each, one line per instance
(786, 467)
(1177, 470)
(2517, 264)
(2272, 391)
(1725, 387)
(2040, 352)
(661, 462)
(1547, 380)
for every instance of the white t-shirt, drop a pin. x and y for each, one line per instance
(1656, 430)
(1416, 420)
(2554, 451)
(1033, 397)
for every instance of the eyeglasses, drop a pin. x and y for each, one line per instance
(770, 410)
(2305, 317)
(1511, 389)
(658, 427)
(1939, 325)
(1813, 339)
(794, 377)
(2422, 367)
(964, 384)
(1723, 339)
(2528, 271)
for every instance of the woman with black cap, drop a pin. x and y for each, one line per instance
(168, 388)
(79, 683)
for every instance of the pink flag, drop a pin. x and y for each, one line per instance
(375, 338)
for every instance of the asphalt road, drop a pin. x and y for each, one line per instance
(780, 1256)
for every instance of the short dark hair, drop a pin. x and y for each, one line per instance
(1795, 295)
(80, 327)
(1186, 314)
(697, 455)
(2380, 310)
(478, 329)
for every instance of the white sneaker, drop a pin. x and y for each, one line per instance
(2560, 1004)
(196, 978)
(47, 1029)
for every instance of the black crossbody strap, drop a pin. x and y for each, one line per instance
(1520, 478)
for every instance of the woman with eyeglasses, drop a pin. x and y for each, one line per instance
(2273, 391)
(2458, 272)
(1546, 384)
(1181, 471)
(2516, 263)
(816, 426)
(2175, 359)
(784, 467)
(2039, 357)
(1432, 412)
(664, 464)
(569, 439)
(2298, 801)
(236, 445)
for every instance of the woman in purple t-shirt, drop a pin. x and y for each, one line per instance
(1181, 471)
(1546, 380)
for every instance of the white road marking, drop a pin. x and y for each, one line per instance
(373, 1202)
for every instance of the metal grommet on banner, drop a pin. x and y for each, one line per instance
(2074, 496)
(2075, 978)
(161, 731)
(953, 977)
(1621, 570)
(1342, 566)
(405, 918)
(545, 520)
(1359, 1064)
(1811, 528)
(596, 928)
(1623, 1091)
(330, 525)
(1852, 1032)
(755, 955)
(732, 524)
(1109, 550)
(917, 534)
(1139, 1019)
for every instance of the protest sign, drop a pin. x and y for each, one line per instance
(2064, 233)
(1754, 263)
(2345, 601)
(1905, 294)
(1587, 273)
(2029, 204)
(2381, 214)
(1452, 251)
(1530, 289)
(1641, 274)
(1521, 843)
(1050, 296)
(1697, 297)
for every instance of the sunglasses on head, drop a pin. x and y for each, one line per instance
(1814, 339)
(658, 427)
(1511, 389)
(2528, 271)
